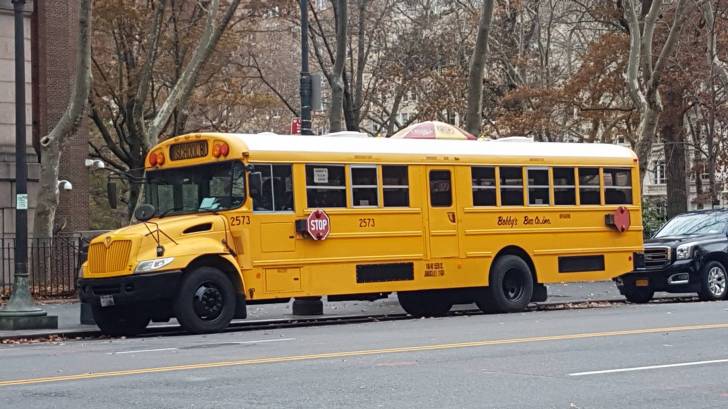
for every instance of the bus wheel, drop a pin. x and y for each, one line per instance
(205, 301)
(712, 282)
(424, 303)
(510, 288)
(120, 321)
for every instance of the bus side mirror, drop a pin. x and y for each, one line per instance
(144, 212)
(111, 193)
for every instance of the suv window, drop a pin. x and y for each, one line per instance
(695, 224)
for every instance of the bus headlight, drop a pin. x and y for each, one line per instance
(152, 265)
(684, 252)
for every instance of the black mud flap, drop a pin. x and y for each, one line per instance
(540, 294)
(241, 309)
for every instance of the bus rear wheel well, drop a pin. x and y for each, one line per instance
(212, 260)
(518, 252)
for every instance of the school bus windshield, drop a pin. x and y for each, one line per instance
(194, 189)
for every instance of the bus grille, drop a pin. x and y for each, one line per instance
(656, 257)
(106, 260)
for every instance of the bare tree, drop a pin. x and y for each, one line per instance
(644, 75)
(337, 75)
(474, 114)
(135, 100)
(51, 144)
(179, 95)
(720, 66)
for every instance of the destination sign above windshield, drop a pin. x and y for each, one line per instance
(188, 150)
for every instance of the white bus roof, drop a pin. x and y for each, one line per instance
(298, 144)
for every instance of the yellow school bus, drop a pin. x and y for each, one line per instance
(234, 219)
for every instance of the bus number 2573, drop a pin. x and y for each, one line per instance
(366, 222)
(238, 220)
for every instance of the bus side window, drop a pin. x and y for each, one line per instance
(617, 186)
(283, 188)
(276, 192)
(263, 198)
(325, 186)
(364, 186)
(538, 187)
(395, 186)
(483, 179)
(564, 187)
(589, 186)
(440, 188)
(511, 180)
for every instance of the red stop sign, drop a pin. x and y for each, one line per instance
(318, 225)
(621, 219)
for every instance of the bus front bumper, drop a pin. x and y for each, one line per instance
(133, 289)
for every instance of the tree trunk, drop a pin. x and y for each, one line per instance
(474, 115)
(47, 200)
(361, 60)
(395, 110)
(51, 144)
(646, 132)
(350, 116)
(673, 137)
(337, 78)
(136, 190)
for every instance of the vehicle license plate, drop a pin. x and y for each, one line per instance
(107, 300)
(642, 282)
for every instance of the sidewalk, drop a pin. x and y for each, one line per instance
(69, 314)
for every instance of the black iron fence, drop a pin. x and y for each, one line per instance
(53, 265)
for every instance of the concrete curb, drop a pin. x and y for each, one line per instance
(89, 332)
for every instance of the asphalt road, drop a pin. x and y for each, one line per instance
(660, 355)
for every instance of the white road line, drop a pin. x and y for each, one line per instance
(265, 340)
(646, 368)
(139, 351)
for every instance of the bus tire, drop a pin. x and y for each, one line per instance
(713, 284)
(510, 287)
(205, 301)
(424, 303)
(638, 295)
(120, 321)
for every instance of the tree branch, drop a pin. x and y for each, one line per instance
(179, 95)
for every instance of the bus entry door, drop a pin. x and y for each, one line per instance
(442, 213)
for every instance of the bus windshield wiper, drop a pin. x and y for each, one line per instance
(166, 212)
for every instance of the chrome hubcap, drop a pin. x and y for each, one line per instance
(716, 281)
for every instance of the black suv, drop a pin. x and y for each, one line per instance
(688, 254)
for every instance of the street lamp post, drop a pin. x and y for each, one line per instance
(21, 312)
(306, 305)
(305, 74)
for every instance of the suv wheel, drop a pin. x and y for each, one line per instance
(712, 282)
(638, 295)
